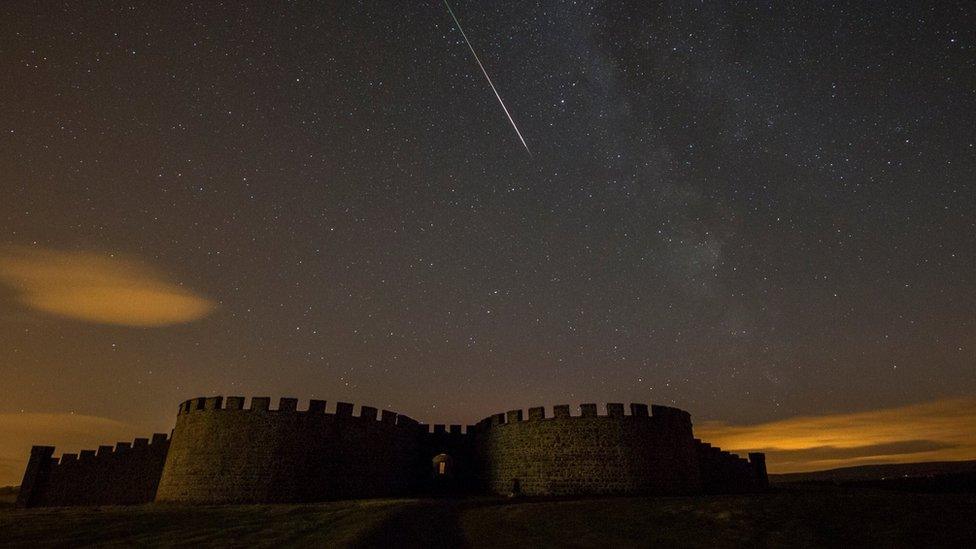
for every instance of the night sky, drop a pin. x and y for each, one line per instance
(761, 213)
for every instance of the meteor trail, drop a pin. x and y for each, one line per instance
(488, 78)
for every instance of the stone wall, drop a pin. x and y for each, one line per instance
(726, 473)
(128, 473)
(233, 454)
(588, 453)
(224, 452)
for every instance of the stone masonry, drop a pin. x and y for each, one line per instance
(222, 451)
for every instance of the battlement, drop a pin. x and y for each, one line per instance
(634, 411)
(439, 429)
(289, 405)
(86, 477)
(159, 441)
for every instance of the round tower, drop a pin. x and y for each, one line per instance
(222, 452)
(589, 453)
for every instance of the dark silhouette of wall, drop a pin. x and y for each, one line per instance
(128, 473)
(224, 452)
(725, 473)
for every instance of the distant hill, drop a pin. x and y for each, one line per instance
(880, 472)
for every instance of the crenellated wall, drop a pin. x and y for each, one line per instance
(588, 452)
(128, 473)
(233, 451)
(224, 452)
(725, 473)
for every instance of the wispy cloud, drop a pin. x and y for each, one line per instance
(97, 287)
(937, 430)
(69, 432)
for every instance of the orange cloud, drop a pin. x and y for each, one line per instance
(69, 432)
(931, 431)
(98, 287)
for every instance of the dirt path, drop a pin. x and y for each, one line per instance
(431, 524)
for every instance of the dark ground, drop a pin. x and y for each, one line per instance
(796, 516)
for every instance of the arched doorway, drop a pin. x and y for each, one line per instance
(444, 475)
(443, 465)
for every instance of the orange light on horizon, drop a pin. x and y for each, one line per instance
(940, 430)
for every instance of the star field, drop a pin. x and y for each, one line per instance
(752, 211)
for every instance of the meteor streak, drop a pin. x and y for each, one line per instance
(488, 78)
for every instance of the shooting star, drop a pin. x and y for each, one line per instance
(488, 78)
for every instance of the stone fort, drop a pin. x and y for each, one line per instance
(223, 451)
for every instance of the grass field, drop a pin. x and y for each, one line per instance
(804, 517)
